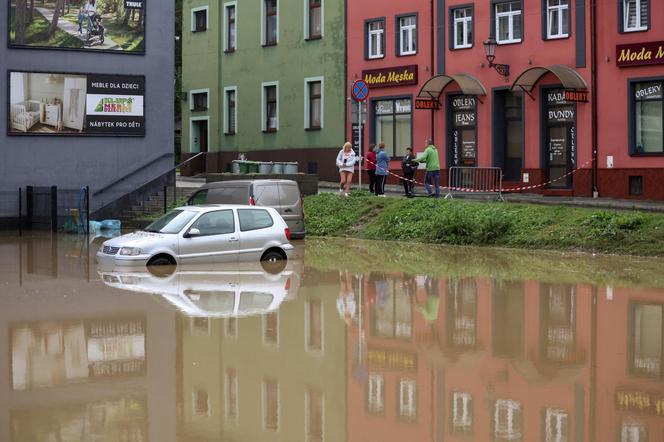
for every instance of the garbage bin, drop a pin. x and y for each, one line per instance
(236, 166)
(243, 166)
(265, 167)
(278, 168)
(290, 168)
(252, 166)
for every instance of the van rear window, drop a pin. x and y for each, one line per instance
(228, 195)
(254, 219)
(290, 194)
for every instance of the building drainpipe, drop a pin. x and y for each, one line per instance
(431, 11)
(593, 92)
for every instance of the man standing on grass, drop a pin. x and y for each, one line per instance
(432, 176)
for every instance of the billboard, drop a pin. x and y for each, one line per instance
(48, 103)
(89, 25)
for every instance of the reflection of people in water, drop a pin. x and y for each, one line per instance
(346, 305)
(431, 307)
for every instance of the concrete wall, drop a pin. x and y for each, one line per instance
(71, 161)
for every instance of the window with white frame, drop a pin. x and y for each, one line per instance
(200, 402)
(507, 419)
(314, 19)
(313, 103)
(462, 27)
(633, 431)
(462, 413)
(231, 394)
(375, 38)
(270, 100)
(271, 405)
(270, 22)
(271, 328)
(635, 15)
(557, 19)
(230, 18)
(375, 393)
(314, 409)
(230, 110)
(556, 425)
(199, 19)
(508, 22)
(407, 35)
(407, 399)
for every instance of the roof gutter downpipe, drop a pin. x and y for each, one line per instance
(593, 92)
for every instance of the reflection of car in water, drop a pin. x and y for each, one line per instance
(236, 290)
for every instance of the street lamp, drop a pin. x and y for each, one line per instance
(490, 51)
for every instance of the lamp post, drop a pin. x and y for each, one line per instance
(490, 45)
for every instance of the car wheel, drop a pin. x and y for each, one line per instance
(272, 256)
(160, 261)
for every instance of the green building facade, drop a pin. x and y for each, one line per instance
(265, 78)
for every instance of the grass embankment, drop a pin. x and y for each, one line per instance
(485, 224)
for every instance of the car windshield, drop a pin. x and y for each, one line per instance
(172, 222)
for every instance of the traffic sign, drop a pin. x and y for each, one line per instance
(359, 91)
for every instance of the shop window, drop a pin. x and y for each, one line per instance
(462, 27)
(375, 38)
(635, 15)
(647, 117)
(407, 35)
(461, 414)
(557, 19)
(314, 19)
(270, 107)
(199, 19)
(632, 431)
(556, 425)
(393, 125)
(231, 395)
(313, 105)
(462, 117)
(270, 22)
(508, 22)
(271, 328)
(230, 110)
(645, 346)
(508, 319)
(560, 138)
(231, 28)
(407, 399)
(201, 403)
(508, 133)
(271, 405)
(507, 421)
(314, 407)
(391, 315)
(199, 100)
(461, 313)
(375, 393)
(558, 326)
(636, 185)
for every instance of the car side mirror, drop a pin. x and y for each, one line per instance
(192, 232)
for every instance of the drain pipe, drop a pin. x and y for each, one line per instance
(593, 92)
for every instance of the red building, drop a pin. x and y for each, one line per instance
(530, 114)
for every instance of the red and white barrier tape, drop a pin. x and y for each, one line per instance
(471, 190)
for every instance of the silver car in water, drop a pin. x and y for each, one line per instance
(203, 234)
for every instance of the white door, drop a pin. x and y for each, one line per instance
(74, 102)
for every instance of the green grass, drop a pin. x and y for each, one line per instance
(485, 224)
(36, 33)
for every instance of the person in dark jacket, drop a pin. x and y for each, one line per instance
(371, 167)
(408, 167)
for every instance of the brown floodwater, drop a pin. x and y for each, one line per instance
(351, 341)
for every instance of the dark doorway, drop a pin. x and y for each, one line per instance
(199, 143)
(559, 129)
(508, 133)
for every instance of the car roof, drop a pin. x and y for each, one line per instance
(208, 207)
(243, 183)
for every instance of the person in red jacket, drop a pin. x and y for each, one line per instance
(371, 167)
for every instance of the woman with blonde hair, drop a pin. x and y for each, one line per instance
(346, 162)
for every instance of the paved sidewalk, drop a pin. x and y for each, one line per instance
(396, 191)
(72, 29)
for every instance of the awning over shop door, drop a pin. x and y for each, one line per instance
(434, 86)
(569, 78)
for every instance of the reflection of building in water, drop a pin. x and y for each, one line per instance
(558, 322)
(266, 376)
(630, 395)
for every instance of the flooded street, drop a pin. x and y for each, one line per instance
(353, 341)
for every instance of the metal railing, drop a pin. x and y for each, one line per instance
(475, 181)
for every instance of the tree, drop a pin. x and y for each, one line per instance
(20, 22)
(59, 5)
(32, 10)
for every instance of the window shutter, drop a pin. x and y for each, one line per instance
(645, 13)
(545, 20)
(451, 30)
(621, 16)
(366, 40)
(631, 16)
(472, 25)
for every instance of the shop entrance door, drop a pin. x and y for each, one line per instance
(559, 155)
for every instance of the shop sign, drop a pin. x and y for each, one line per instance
(556, 96)
(647, 91)
(133, 4)
(640, 54)
(576, 96)
(426, 104)
(397, 76)
(464, 118)
(380, 358)
(563, 114)
(640, 402)
(384, 107)
(462, 102)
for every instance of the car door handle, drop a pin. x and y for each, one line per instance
(288, 210)
(232, 239)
